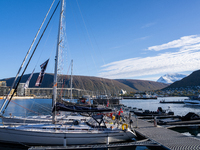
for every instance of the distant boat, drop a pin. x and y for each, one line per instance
(159, 112)
(193, 101)
(189, 118)
(173, 102)
(141, 96)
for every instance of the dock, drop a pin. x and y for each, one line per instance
(167, 138)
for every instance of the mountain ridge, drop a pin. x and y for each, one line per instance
(191, 80)
(171, 78)
(93, 83)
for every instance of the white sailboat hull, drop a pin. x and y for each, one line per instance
(15, 136)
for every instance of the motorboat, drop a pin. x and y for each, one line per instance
(159, 112)
(189, 118)
(193, 101)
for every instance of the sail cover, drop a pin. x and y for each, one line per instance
(75, 108)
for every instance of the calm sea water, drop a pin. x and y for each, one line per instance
(152, 105)
(43, 106)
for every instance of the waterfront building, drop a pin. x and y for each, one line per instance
(62, 92)
(2, 83)
(21, 89)
(3, 88)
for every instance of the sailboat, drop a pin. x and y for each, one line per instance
(94, 131)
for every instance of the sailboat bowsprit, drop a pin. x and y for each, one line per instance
(94, 131)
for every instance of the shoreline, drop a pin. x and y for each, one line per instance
(18, 97)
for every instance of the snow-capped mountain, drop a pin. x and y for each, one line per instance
(171, 78)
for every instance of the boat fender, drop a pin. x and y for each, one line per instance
(126, 125)
(76, 122)
(113, 117)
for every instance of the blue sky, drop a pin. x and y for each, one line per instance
(117, 39)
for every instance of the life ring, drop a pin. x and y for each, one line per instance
(113, 117)
(124, 125)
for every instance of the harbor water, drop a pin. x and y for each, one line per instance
(178, 109)
(29, 107)
(153, 104)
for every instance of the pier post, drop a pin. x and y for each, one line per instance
(136, 121)
(65, 142)
(155, 121)
(107, 140)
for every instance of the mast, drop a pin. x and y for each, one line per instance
(59, 40)
(8, 97)
(71, 81)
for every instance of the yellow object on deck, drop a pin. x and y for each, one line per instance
(124, 125)
(113, 117)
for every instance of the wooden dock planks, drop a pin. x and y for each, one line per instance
(167, 138)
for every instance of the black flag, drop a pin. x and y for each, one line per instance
(42, 72)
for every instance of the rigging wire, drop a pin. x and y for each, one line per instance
(25, 59)
(101, 79)
(30, 59)
(64, 81)
(83, 87)
(25, 108)
(47, 109)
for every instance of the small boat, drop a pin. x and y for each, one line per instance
(189, 118)
(193, 101)
(173, 102)
(159, 112)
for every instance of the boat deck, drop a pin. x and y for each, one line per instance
(168, 139)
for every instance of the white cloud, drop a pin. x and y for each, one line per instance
(182, 42)
(186, 59)
(143, 38)
(148, 25)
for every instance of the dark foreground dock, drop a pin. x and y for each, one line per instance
(168, 139)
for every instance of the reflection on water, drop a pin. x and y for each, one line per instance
(12, 147)
(193, 131)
